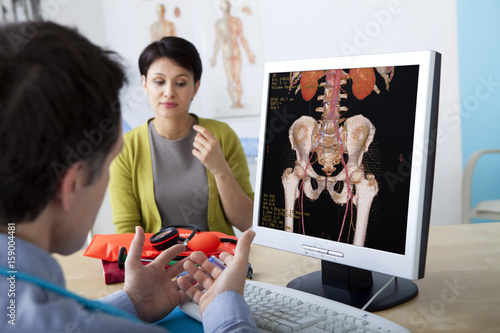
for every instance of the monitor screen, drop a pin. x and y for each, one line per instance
(346, 160)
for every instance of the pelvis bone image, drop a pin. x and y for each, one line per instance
(329, 141)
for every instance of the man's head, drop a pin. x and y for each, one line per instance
(59, 109)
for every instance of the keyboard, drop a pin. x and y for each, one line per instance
(280, 309)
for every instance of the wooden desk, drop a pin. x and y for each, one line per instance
(460, 291)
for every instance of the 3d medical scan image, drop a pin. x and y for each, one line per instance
(338, 147)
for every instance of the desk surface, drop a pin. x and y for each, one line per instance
(460, 291)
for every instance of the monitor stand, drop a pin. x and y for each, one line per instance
(355, 286)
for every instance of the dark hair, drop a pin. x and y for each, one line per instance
(58, 106)
(177, 49)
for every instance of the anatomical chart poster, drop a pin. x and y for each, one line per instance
(338, 150)
(233, 57)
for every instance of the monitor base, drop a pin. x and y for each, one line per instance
(397, 292)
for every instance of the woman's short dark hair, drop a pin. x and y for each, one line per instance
(180, 51)
(58, 106)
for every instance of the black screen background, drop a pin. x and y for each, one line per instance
(388, 159)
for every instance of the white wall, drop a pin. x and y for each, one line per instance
(86, 15)
(297, 29)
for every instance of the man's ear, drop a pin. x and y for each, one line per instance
(70, 182)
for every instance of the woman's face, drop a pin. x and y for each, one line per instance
(170, 88)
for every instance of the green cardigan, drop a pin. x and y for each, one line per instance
(131, 180)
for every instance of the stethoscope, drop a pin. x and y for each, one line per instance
(91, 305)
(169, 236)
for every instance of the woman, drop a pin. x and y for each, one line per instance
(179, 168)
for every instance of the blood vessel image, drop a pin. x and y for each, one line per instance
(335, 142)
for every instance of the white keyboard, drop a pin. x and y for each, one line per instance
(280, 309)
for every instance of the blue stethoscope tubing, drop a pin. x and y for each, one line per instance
(91, 305)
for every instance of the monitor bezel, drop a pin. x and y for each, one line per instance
(411, 264)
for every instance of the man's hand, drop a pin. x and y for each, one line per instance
(150, 287)
(217, 280)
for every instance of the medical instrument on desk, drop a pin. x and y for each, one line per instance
(122, 256)
(169, 236)
(162, 240)
(91, 305)
(206, 242)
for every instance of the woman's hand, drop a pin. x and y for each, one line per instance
(237, 205)
(208, 150)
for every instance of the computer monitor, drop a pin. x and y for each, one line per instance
(345, 171)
